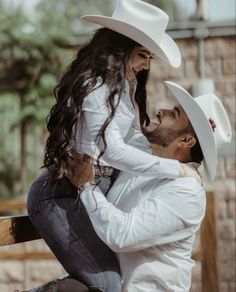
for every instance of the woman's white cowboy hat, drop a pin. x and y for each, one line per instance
(209, 119)
(144, 23)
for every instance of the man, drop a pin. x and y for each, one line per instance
(152, 223)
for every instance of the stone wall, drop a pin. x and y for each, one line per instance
(25, 274)
(220, 66)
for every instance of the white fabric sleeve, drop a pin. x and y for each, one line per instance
(119, 154)
(150, 223)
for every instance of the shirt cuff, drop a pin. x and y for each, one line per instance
(92, 198)
(167, 168)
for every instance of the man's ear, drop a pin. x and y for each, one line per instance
(187, 141)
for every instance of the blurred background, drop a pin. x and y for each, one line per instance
(38, 39)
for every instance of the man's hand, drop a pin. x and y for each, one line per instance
(82, 170)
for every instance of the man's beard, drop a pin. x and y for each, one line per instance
(162, 136)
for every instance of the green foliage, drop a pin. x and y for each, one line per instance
(33, 53)
(169, 6)
(9, 162)
(30, 63)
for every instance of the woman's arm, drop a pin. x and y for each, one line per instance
(119, 154)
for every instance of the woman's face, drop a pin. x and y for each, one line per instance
(139, 60)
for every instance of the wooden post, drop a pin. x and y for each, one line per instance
(209, 254)
(6, 206)
(47, 255)
(16, 229)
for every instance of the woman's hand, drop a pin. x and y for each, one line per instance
(190, 170)
(82, 170)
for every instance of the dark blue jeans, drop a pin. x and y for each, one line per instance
(62, 220)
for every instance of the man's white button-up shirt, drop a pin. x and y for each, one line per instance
(151, 223)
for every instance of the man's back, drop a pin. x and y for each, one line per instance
(155, 243)
(150, 222)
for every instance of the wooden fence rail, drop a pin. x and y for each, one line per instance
(6, 206)
(16, 229)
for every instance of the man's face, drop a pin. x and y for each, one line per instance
(168, 125)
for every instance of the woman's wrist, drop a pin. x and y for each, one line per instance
(189, 171)
(85, 185)
(182, 172)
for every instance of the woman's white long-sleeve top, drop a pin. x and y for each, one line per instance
(119, 154)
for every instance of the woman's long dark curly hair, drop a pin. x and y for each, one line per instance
(104, 57)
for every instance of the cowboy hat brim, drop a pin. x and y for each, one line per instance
(166, 49)
(201, 126)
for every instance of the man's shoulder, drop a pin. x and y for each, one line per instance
(186, 182)
(185, 197)
(177, 186)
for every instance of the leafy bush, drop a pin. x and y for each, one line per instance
(33, 53)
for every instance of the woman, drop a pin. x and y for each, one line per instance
(97, 102)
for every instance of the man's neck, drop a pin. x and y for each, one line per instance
(161, 151)
(170, 153)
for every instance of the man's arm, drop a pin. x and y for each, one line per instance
(150, 223)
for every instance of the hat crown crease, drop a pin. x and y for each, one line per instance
(215, 112)
(154, 22)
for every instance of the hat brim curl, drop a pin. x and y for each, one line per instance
(201, 126)
(166, 49)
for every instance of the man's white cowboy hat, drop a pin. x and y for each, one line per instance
(144, 23)
(210, 122)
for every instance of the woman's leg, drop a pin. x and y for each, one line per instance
(66, 284)
(64, 224)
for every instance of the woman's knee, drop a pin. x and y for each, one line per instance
(103, 281)
(112, 282)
